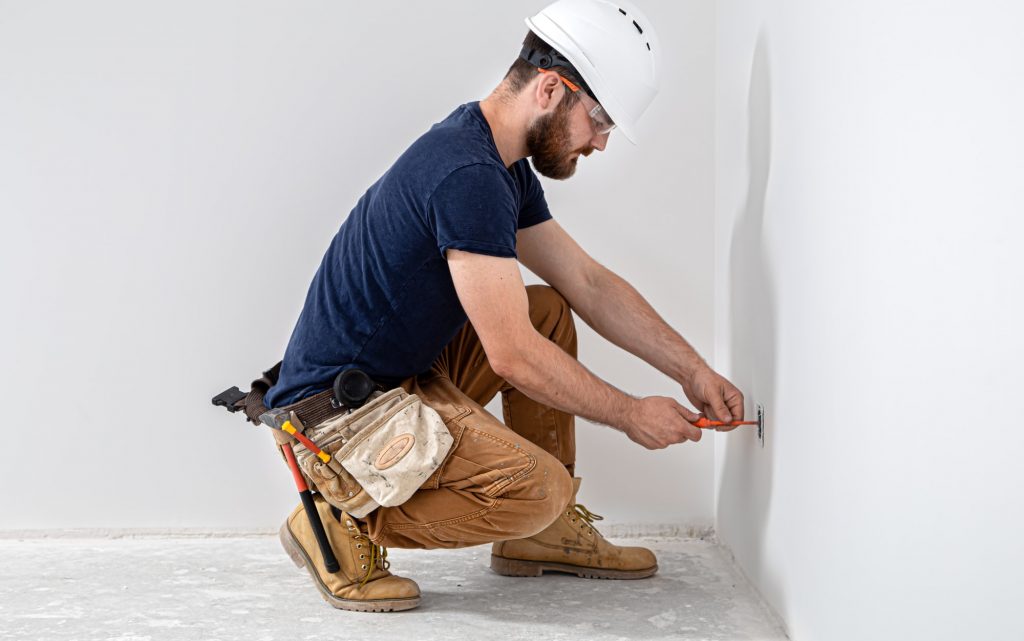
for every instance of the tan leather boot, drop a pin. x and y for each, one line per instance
(363, 583)
(571, 544)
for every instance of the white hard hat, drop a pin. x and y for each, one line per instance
(613, 46)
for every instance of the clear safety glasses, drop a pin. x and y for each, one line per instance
(602, 121)
(598, 116)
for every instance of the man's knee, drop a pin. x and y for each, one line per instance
(549, 488)
(546, 299)
(552, 315)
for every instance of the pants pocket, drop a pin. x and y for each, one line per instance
(466, 475)
(484, 463)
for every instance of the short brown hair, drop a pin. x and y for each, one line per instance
(522, 73)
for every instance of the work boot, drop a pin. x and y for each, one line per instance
(571, 544)
(363, 582)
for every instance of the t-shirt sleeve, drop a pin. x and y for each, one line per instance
(474, 209)
(535, 207)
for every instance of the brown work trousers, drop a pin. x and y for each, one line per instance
(500, 480)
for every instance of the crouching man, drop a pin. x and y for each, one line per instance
(437, 242)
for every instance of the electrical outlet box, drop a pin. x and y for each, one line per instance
(760, 424)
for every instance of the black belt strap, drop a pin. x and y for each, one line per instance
(312, 410)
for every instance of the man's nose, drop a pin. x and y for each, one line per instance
(600, 141)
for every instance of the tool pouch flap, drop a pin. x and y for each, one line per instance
(388, 447)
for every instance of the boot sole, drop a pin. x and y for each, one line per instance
(518, 567)
(302, 560)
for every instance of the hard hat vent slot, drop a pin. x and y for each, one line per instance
(637, 27)
(648, 46)
(622, 11)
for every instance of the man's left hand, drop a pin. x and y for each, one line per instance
(715, 397)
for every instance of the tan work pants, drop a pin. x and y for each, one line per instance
(500, 480)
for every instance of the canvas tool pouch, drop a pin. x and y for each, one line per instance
(381, 453)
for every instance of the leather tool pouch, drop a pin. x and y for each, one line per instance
(381, 453)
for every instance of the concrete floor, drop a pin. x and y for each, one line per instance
(246, 588)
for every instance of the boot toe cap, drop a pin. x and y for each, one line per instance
(390, 587)
(635, 558)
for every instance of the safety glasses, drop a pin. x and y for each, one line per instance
(598, 116)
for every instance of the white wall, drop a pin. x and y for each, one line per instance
(170, 174)
(869, 217)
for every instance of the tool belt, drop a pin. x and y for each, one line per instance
(377, 454)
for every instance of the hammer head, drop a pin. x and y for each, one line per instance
(275, 418)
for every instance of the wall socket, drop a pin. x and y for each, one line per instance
(760, 424)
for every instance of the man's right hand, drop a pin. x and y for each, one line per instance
(659, 421)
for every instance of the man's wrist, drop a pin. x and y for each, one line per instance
(688, 367)
(627, 409)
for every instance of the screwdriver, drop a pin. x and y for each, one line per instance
(706, 422)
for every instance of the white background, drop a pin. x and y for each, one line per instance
(170, 175)
(869, 199)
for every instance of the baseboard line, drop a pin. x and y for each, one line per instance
(649, 530)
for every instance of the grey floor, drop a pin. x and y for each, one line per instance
(246, 588)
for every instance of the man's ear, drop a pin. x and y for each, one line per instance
(549, 90)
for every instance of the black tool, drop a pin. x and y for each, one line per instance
(352, 387)
(229, 398)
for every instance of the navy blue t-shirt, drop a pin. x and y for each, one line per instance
(383, 299)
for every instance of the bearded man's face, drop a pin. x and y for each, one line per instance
(550, 143)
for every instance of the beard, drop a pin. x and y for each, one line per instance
(547, 142)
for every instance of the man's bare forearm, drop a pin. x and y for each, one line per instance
(616, 311)
(548, 375)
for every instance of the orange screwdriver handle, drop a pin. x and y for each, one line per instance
(705, 422)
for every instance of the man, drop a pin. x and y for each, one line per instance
(435, 241)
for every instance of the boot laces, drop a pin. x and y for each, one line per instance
(585, 515)
(378, 554)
